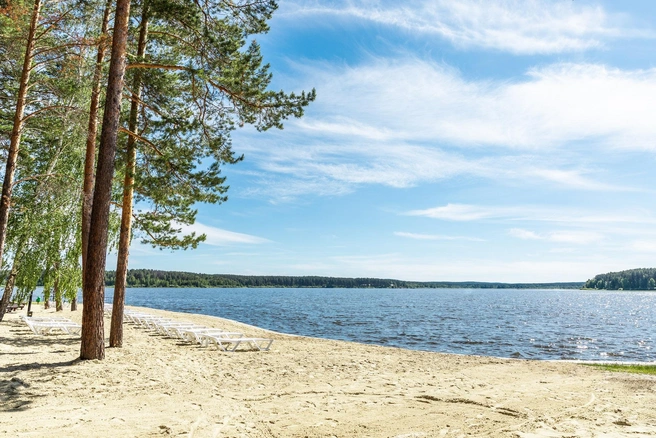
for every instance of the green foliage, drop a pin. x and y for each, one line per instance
(43, 236)
(633, 279)
(156, 278)
(202, 78)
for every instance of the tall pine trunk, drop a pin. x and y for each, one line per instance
(90, 158)
(93, 295)
(116, 331)
(15, 139)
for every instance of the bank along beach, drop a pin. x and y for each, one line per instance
(302, 387)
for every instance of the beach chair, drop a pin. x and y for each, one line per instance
(177, 330)
(171, 329)
(12, 307)
(195, 335)
(224, 343)
(44, 326)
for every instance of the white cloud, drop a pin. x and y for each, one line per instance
(221, 237)
(435, 237)
(459, 212)
(418, 101)
(553, 214)
(563, 236)
(516, 26)
(407, 122)
(524, 234)
(575, 237)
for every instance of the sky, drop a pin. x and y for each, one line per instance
(471, 140)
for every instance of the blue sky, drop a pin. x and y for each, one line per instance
(483, 140)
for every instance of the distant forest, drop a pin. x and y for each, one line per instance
(633, 279)
(155, 278)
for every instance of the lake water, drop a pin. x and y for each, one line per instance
(531, 324)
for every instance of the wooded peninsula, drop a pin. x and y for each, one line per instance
(157, 278)
(632, 279)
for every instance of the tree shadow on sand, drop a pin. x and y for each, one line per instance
(12, 395)
(15, 393)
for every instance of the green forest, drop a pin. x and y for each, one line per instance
(156, 278)
(632, 279)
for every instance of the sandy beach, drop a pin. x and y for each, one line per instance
(302, 387)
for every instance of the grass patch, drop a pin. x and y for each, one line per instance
(625, 368)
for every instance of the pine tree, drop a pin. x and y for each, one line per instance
(200, 81)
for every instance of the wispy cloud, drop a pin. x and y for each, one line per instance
(435, 237)
(419, 101)
(466, 212)
(221, 237)
(520, 233)
(461, 212)
(516, 26)
(406, 122)
(563, 236)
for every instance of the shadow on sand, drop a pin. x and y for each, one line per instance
(15, 393)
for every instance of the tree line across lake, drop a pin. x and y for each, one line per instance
(632, 279)
(156, 278)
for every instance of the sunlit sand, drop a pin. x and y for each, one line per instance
(156, 386)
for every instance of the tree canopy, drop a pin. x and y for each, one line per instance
(632, 279)
(182, 76)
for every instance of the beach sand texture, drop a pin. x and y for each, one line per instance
(304, 387)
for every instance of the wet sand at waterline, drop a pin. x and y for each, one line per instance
(303, 387)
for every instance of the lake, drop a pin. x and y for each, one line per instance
(526, 323)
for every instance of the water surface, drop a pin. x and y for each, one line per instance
(532, 324)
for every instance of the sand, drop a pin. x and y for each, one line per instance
(304, 387)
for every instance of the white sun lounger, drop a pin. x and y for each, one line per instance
(43, 327)
(231, 344)
(134, 317)
(196, 335)
(225, 341)
(175, 330)
(165, 327)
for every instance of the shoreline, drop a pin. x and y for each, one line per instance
(274, 332)
(156, 386)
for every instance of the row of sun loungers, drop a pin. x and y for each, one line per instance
(194, 333)
(46, 325)
(189, 332)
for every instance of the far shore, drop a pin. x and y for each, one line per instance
(303, 387)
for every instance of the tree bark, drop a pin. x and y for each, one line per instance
(116, 331)
(14, 143)
(93, 333)
(92, 130)
(46, 298)
(9, 288)
(90, 158)
(59, 305)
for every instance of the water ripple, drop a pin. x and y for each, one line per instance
(535, 324)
